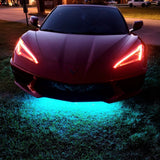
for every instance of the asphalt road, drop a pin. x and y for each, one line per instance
(15, 13)
(150, 33)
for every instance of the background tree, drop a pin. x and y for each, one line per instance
(40, 7)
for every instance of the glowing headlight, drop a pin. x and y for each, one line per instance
(134, 56)
(22, 50)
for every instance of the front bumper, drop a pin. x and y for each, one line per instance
(110, 92)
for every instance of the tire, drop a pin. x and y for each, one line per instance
(148, 5)
(131, 5)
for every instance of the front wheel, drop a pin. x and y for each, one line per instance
(131, 5)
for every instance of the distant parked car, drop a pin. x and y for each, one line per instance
(155, 2)
(3, 3)
(136, 3)
(108, 2)
(158, 3)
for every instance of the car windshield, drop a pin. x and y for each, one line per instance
(94, 20)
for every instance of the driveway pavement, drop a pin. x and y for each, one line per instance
(150, 33)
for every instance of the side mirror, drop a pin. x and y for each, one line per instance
(34, 21)
(137, 25)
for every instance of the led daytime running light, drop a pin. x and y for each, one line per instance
(138, 52)
(27, 54)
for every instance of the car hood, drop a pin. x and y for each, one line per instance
(73, 58)
(77, 49)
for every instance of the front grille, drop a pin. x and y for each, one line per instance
(79, 92)
(22, 77)
(76, 88)
(83, 92)
(53, 89)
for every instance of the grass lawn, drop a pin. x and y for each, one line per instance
(152, 12)
(49, 129)
(139, 12)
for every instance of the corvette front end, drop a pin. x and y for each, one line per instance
(85, 66)
(123, 79)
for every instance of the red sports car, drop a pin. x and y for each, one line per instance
(81, 53)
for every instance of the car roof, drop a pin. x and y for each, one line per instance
(85, 5)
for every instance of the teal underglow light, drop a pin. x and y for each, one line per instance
(40, 106)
